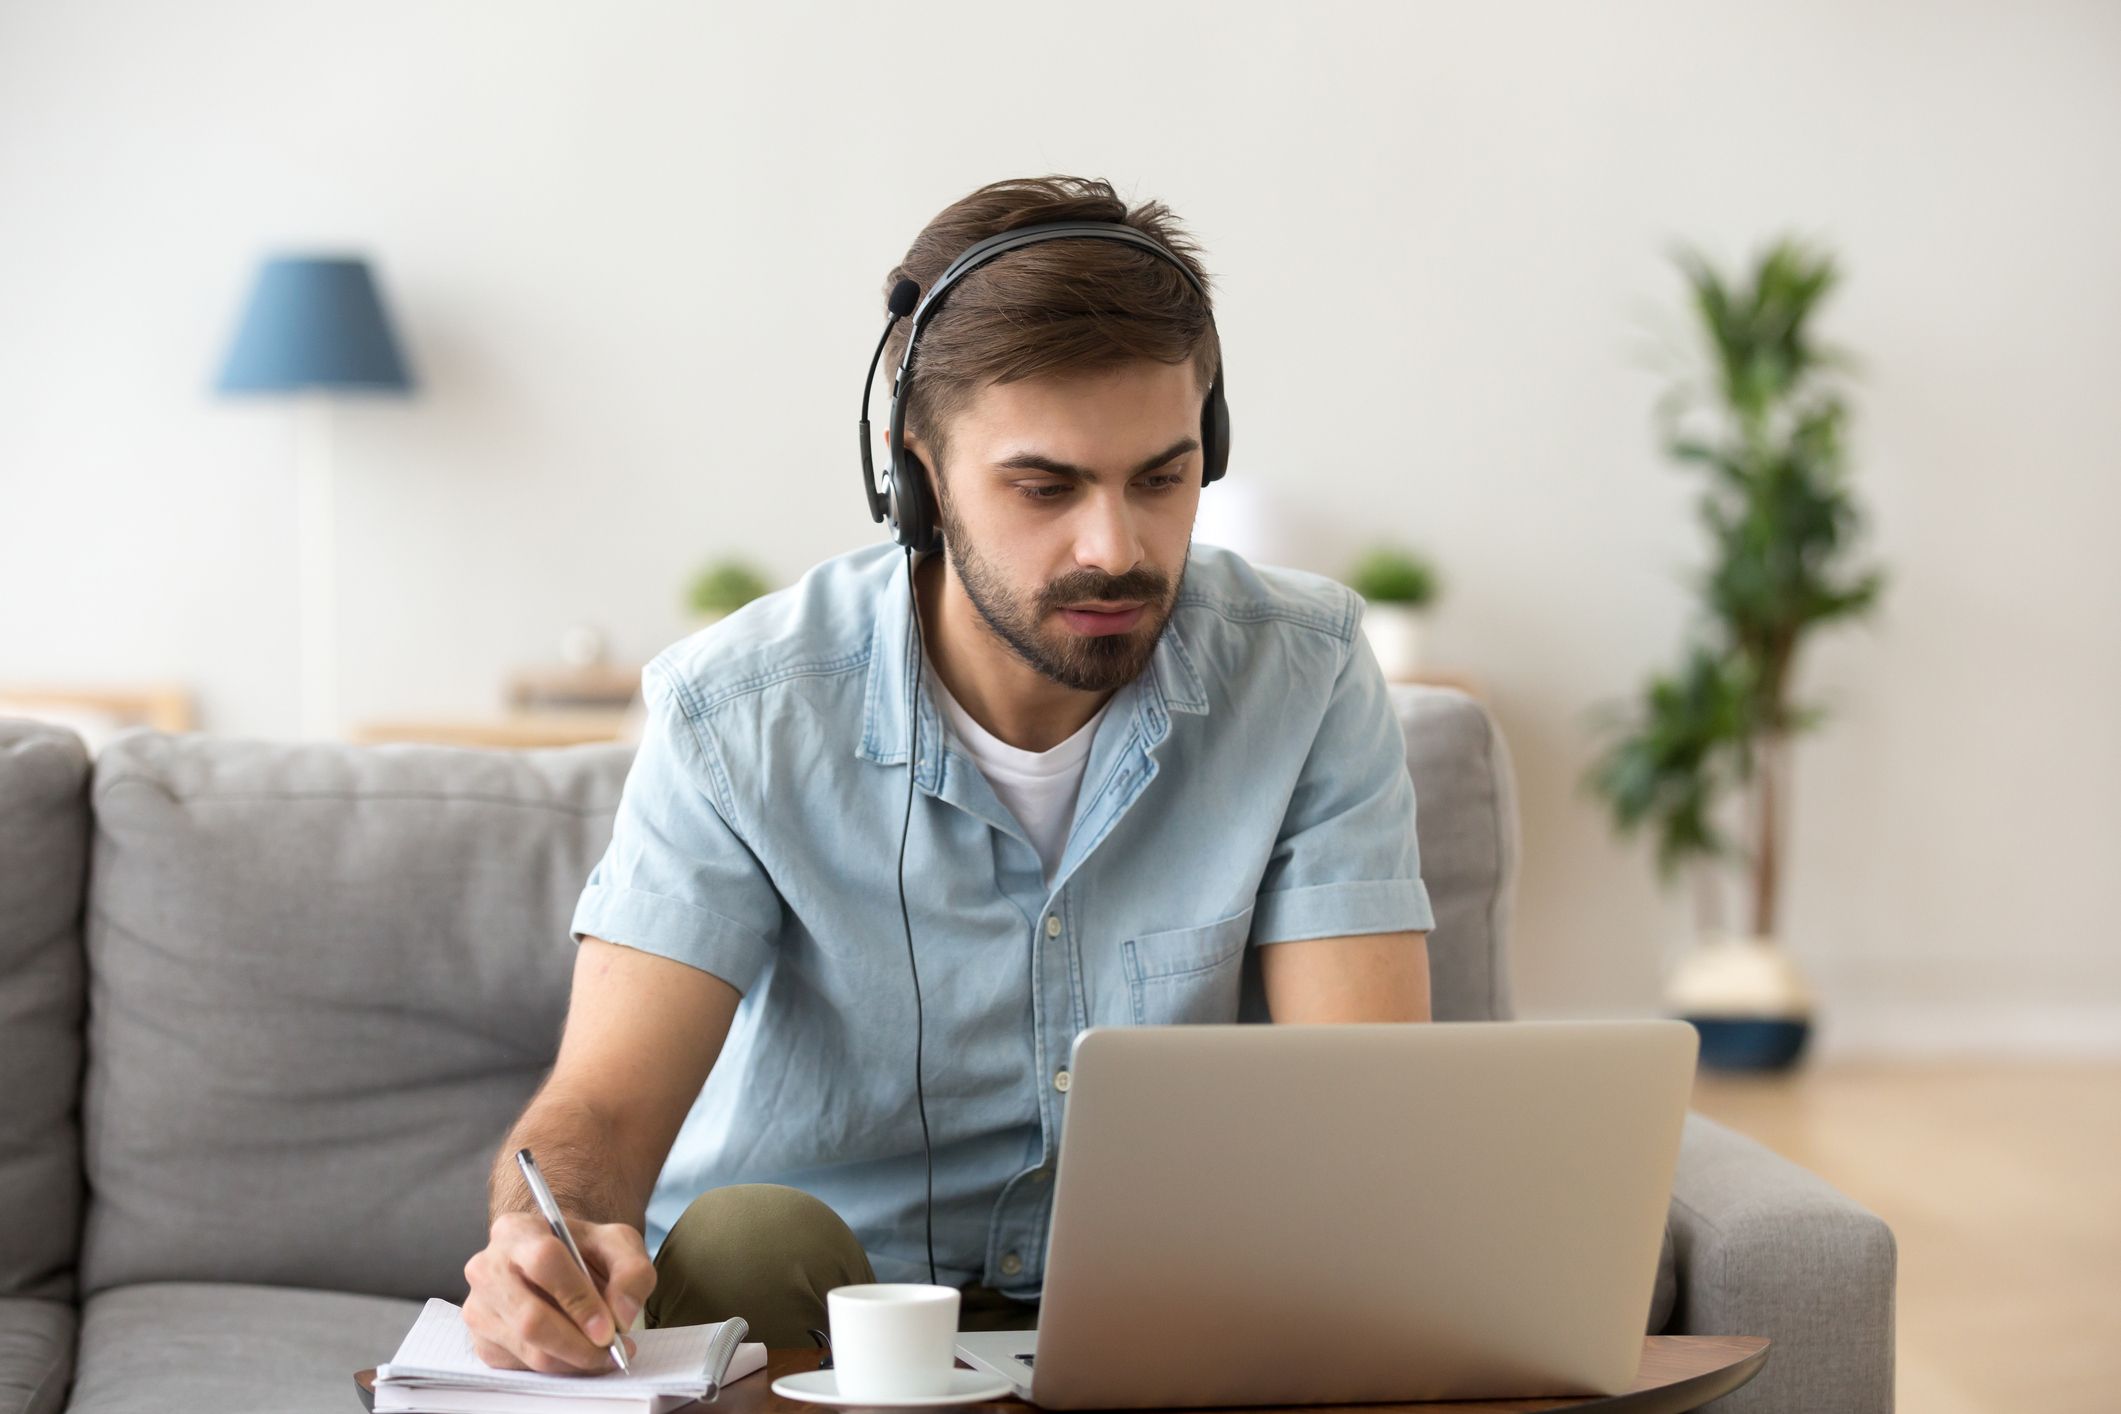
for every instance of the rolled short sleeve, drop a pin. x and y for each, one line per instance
(677, 879)
(1346, 861)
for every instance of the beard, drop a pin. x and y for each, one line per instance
(1085, 662)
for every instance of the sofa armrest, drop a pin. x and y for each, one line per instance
(36, 1354)
(1766, 1247)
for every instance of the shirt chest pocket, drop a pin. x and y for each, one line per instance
(1187, 974)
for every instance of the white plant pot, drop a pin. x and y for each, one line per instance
(1396, 632)
(1747, 998)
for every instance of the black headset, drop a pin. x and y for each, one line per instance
(907, 504)
(906, 500)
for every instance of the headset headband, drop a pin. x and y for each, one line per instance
(980, 252)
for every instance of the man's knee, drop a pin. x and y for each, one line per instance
(762, 1251)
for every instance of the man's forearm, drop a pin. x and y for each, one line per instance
(581, 1157)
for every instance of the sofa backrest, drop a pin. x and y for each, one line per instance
(1465, 816)
(324, 979)
(44, 832)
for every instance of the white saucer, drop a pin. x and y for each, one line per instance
(823, 1387)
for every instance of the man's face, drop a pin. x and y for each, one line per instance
(1063, 493)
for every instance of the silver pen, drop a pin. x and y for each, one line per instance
(551, 1209)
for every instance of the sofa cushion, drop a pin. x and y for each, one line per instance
(167, 1346)
(323, 981)
(36, 1354)
(1465, 816)
(44, 822)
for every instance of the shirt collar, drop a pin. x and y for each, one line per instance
(1171, 683)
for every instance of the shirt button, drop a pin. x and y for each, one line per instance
(1053, 925)
(1060, 1081)
(1011, 1264)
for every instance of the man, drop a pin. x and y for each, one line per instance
(1153, 784)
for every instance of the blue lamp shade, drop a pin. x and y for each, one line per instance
(314, 322)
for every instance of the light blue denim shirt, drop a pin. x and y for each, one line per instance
(1249, 787)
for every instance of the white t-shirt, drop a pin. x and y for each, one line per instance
(1038, 787)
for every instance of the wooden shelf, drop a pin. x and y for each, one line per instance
(513, 730)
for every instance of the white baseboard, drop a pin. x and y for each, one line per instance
(2026, 1032)
(1849, 1030)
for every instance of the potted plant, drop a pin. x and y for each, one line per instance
(1701, 758)
(1398, 586)
(721, 587)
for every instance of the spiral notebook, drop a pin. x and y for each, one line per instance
(435, 1369)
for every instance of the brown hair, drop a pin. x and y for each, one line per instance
(1054, 307)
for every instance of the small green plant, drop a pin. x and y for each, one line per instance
(1767, 434)
(1393, 574)
(725, 585)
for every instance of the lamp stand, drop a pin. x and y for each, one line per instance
(320, 688)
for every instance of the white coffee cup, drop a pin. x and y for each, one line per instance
(892, 1339)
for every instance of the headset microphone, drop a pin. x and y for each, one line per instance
(903, 296)
(906, 504)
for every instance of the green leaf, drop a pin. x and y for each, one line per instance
(1395, 575)
(724, 585)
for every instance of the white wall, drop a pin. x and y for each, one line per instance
(637, 253)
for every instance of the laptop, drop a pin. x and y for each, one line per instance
(1265, 1214)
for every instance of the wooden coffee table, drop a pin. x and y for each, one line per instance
(1679, 1372)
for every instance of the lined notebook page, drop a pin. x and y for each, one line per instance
(669, 1360)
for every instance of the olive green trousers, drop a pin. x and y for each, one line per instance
(769, 1254)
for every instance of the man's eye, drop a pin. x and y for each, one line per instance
(1163, 482)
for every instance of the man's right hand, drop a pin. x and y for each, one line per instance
(531, 1308)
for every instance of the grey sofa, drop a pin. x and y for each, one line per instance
(267, 1010)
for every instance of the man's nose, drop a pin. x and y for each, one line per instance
(1105, 534)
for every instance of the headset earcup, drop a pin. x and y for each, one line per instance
(1214, 435)
(914, 521)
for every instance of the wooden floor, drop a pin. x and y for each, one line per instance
(2002, 1183)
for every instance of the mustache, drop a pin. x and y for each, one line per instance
(1147, 585)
